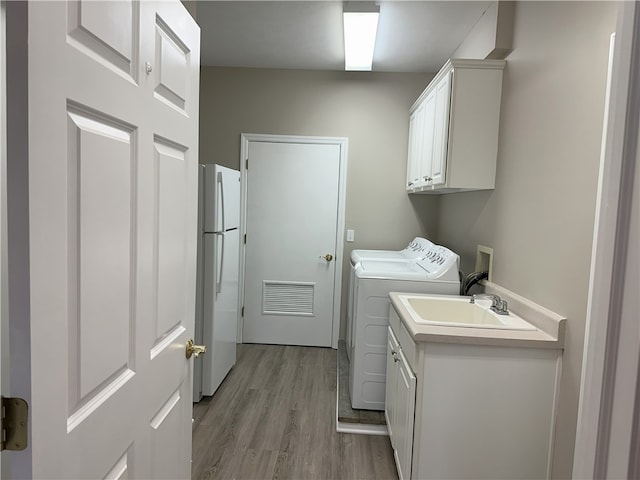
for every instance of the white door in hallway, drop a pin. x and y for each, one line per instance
(113, 110)
(292, 227)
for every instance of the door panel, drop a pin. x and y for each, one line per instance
(416, 126)
(426, 165)
(171, 199)
(292, 216)
(441, 130)
(107, 32)
(404, 415)
(100, 165)
(167, 451)
(120, 470)
(113, 195)
(391, 386)
(173, 58)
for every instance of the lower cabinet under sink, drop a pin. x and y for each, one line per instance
(469, 411)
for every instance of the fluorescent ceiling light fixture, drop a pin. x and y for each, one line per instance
(360, 27)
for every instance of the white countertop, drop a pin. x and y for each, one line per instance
(549, 331)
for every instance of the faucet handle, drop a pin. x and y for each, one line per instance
(500, 307)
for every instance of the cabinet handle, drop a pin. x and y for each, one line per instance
(409, 184)
(395, 359)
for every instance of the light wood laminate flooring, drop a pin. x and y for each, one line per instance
(274, 417)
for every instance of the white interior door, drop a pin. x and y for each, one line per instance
(292, 217)
(113, 113)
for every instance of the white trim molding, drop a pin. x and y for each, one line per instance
(608, 433)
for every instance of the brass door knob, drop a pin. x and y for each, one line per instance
(195, 350)
(328, 257)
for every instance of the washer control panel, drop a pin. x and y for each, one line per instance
(418, 247)
(437, 260)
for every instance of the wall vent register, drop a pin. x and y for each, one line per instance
(287, 298)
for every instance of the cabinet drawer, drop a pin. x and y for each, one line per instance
(408, 347)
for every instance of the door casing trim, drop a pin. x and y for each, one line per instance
(343, 143)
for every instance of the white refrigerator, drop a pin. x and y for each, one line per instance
(217, 292)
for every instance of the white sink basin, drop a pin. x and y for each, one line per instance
(459, 312)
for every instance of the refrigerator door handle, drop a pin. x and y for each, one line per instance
(220, 260)
(221, 200)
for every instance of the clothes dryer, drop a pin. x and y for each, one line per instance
(436, 273)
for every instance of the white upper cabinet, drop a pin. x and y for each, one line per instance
(453, 129)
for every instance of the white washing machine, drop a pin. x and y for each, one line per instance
(436, 273)
(416, 249)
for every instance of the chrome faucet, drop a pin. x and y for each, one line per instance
(497, 304)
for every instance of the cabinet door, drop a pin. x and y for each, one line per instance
(441, 130)
(391, 385)
(404, 416)
(416, 122)
(426, 161)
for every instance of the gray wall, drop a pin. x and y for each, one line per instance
(371, 109)
(539, 219)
